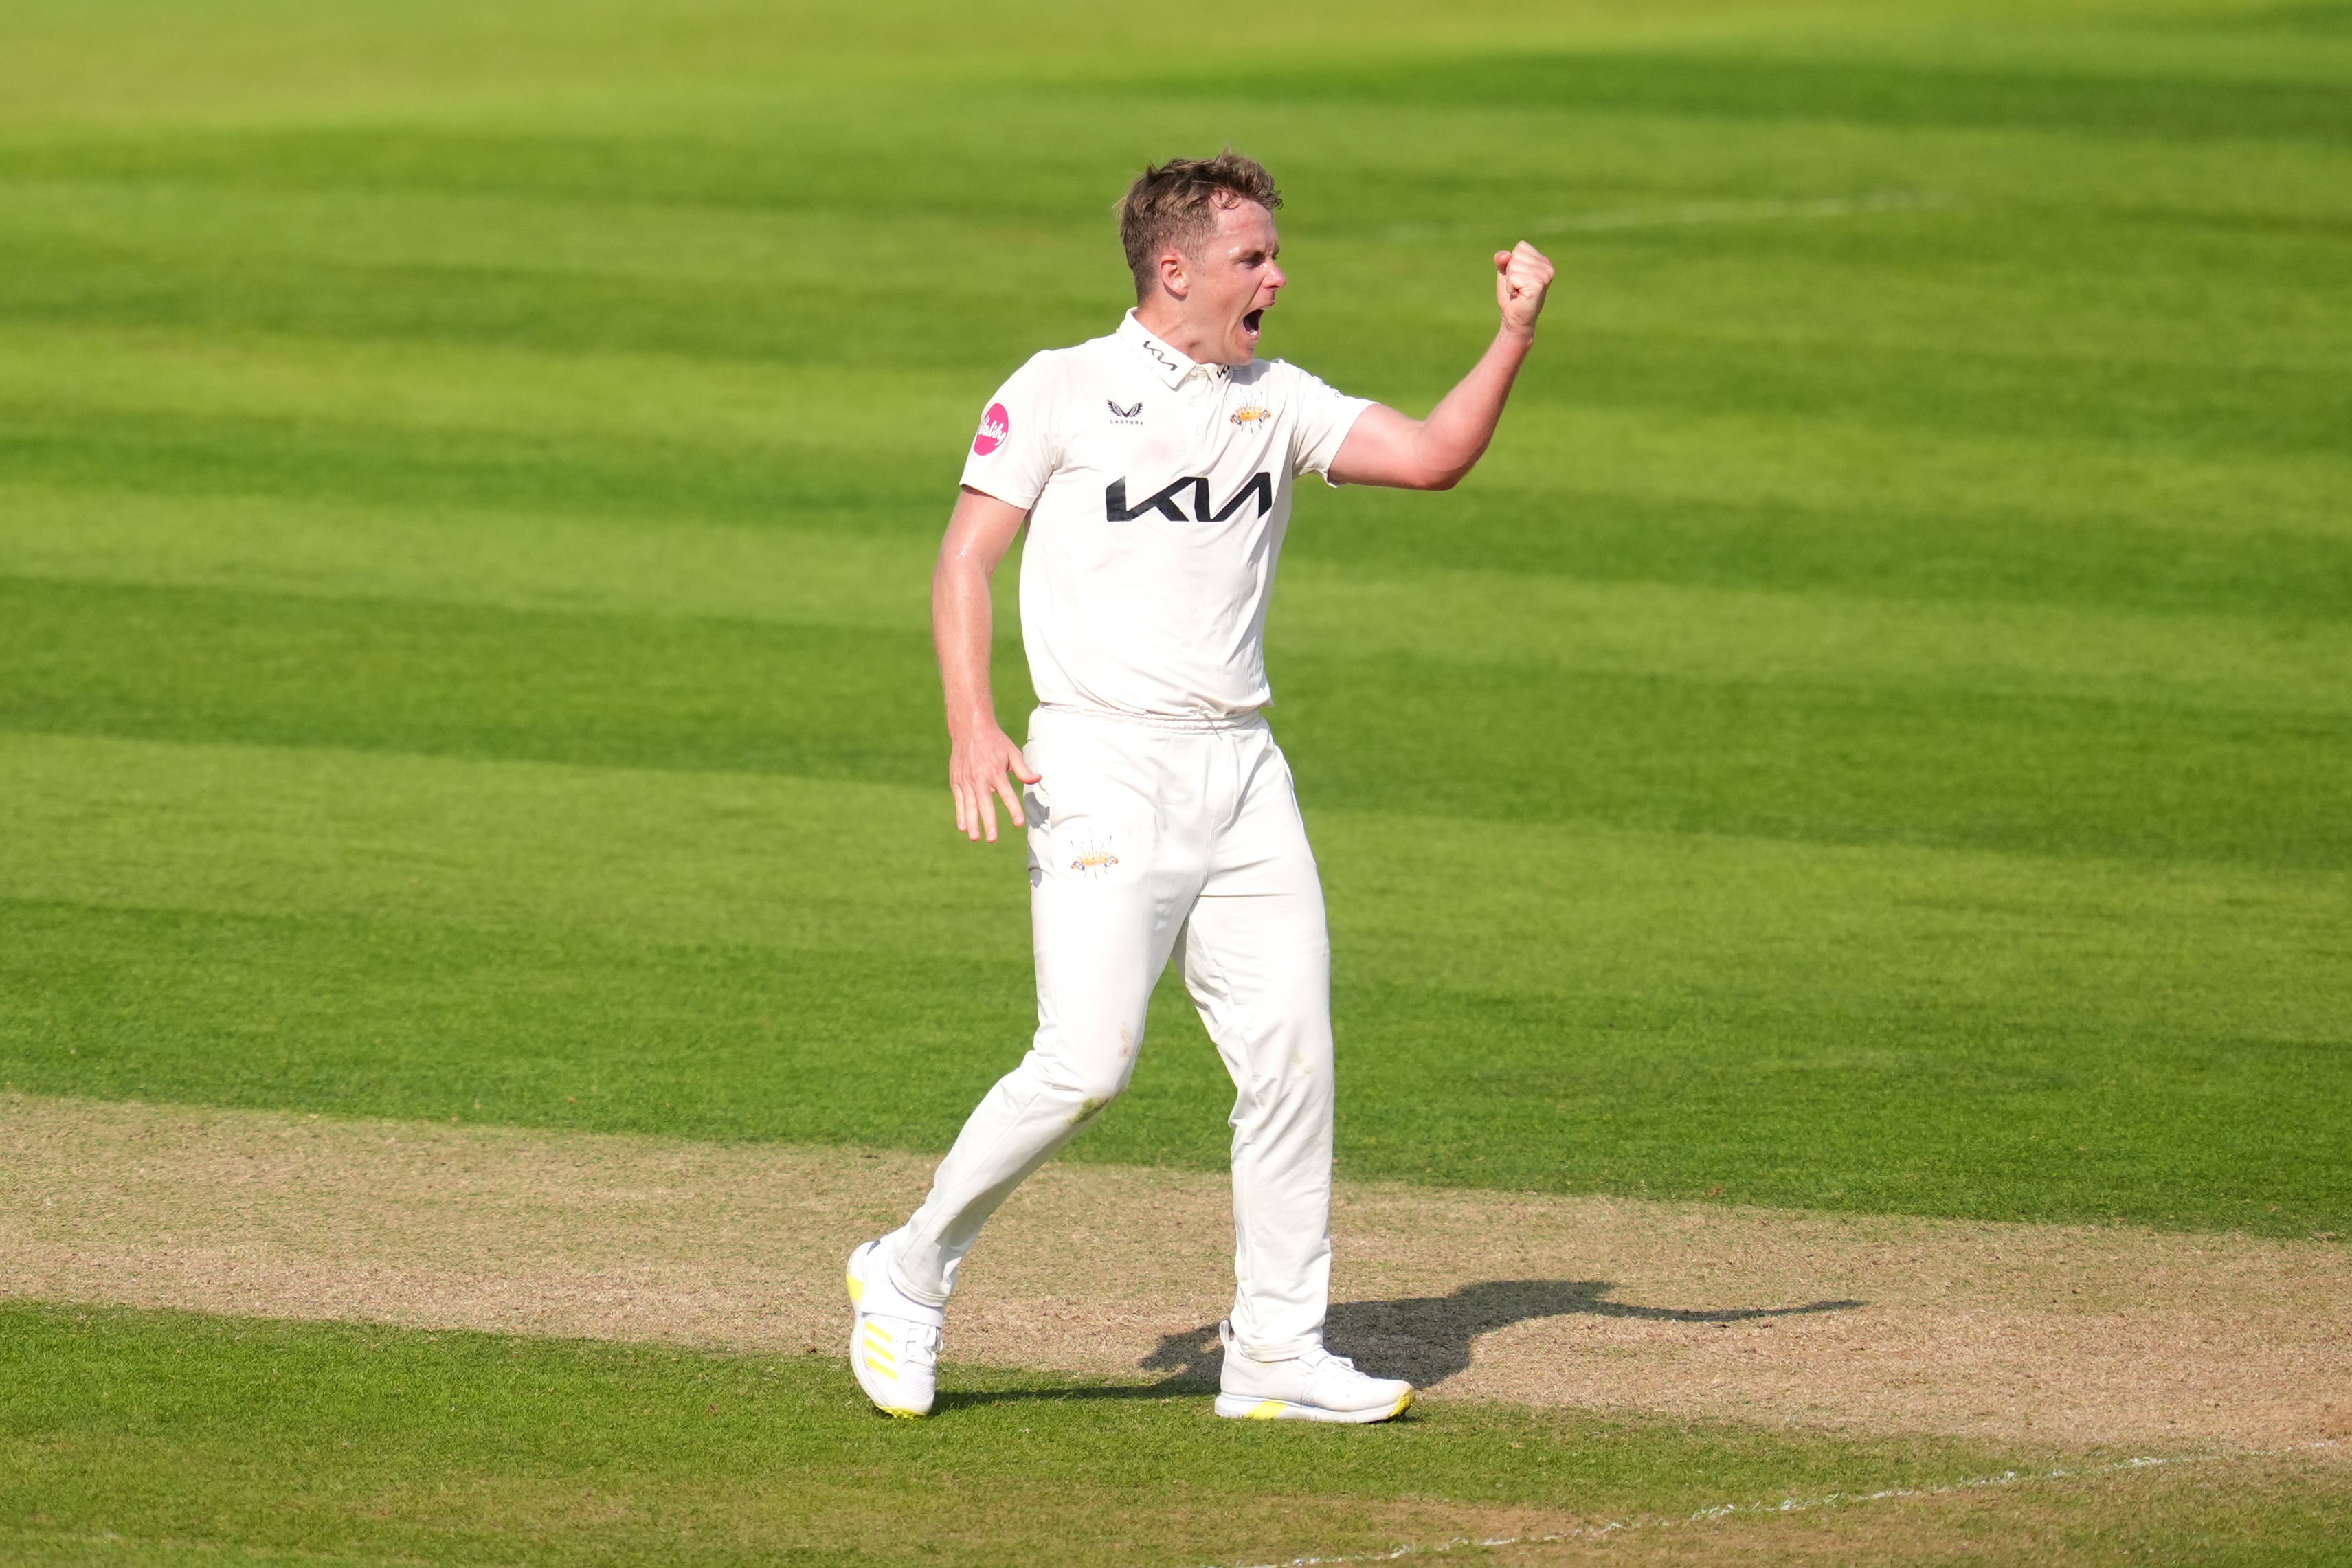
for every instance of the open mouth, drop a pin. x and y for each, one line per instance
(1251, 321)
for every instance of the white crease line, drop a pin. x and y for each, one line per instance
(1705, 212)
(1794, 1505)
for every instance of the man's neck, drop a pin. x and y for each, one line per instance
(1162, 320)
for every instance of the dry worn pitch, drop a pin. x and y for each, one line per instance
(2067, 1334)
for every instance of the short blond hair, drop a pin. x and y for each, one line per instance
(1176, 203)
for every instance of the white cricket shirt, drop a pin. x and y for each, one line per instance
(1158, 490)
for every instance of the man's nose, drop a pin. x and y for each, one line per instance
(1275, 277)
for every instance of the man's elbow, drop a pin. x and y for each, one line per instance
(1441, 469)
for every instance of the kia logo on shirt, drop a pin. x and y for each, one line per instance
(1169, 504)
(995, 426)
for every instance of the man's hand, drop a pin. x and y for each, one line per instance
(1522, 276)
(977, 765)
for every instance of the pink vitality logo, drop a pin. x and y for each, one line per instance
(995, 426)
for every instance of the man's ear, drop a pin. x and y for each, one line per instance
(1173, 275)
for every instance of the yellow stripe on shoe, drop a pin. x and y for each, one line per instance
(1401, 1406)
(1267, 1410)
(857, 1287)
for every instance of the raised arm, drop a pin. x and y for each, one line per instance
(1385, 448)
(980, 756)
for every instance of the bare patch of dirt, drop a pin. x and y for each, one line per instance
(2072, 1335)
(2068, 1335)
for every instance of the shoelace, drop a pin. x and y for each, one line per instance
(922, 1344)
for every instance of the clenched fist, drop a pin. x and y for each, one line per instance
(1522, 274)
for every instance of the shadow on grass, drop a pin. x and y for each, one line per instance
(1424, 1337)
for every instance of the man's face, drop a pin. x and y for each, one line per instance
(1231, 283)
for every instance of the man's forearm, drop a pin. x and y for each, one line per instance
(962, 626)
(1454, 436)
(980, 756)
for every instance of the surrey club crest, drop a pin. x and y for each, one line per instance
(1092, 856)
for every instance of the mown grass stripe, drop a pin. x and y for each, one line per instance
(2180, 104)
(1924, 1031)
(1337, 598)
(2044, 774)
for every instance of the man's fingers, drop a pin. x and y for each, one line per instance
(1523, 277)
(976, 787)
(984, 814)
(972, 814)
(1011, 804)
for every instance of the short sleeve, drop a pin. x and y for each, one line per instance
(1325, 418)
(1015, 448)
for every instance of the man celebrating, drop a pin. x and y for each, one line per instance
(1154, 469)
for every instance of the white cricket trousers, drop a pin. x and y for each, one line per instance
(1140, 832)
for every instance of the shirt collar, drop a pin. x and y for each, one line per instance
(1173, 365)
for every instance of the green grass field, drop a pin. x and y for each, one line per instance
(651, 1450)
(158, 1439)
(1876, 734)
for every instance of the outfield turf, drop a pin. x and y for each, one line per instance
(167, 1438)
(1874, 733)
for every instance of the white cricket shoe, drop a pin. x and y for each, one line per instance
(1317, 1386)
(893, 1340)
